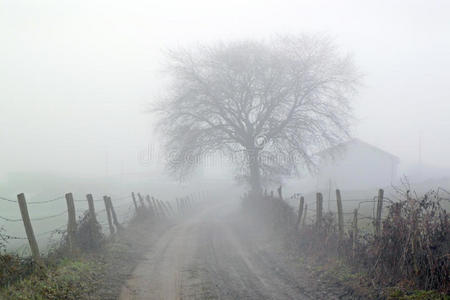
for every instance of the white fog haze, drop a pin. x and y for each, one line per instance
(76, 78)
(233, 149)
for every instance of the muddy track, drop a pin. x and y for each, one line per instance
(214, 256)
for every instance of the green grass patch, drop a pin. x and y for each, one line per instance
(69, 280)
(398, 294)
(96, 274)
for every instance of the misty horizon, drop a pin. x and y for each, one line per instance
(77, 79)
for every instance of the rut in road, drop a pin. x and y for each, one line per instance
(216, 256)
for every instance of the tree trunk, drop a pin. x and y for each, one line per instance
(255, 172)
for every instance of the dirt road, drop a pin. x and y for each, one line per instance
(215, 255)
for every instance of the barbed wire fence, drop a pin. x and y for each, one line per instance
(371, 216)
(364, 219)
(128, 208)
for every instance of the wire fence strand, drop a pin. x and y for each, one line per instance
(10, 220)
(49, 217)
(12, 237)
(45, 201)
(7, 199)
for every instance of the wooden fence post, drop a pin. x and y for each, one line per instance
(166, 209)
(180, 201)
(150, 205)
(280, 194)
(379, 209)
(319, 205)
(169, 211)
(152, 202)
(29, 229)
(141, 200)
(92, 220)
(183, 204)
(355, 233)
(161, 208)
(157, 207)
(135, 203)
(108, 214)
(170, 208)
(72, 222)
(300, 212)
(340, 215)
(304, 216)
(182, 207)
(92, 216)
(114, 216)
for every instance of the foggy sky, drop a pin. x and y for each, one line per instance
(75, 78)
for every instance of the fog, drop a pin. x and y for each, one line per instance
(77, 78)
(165, 136)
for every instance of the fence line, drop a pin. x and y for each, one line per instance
(57, 230)
(316, 217)
(11, 237)
(159, 210)
(7, 200)
(10, 220)
(49, 217)
(7, 219)
(46, 201)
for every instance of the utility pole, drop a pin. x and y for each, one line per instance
(329, 194)
(420, 154)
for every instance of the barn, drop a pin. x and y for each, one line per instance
(356, 165)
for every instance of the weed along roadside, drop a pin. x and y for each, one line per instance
(398, 253)
(92, 259)
(256, 247)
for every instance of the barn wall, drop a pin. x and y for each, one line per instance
(358, 167)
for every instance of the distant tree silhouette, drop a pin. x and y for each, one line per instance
(274, 102)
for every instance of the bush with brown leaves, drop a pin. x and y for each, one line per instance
(414, 244)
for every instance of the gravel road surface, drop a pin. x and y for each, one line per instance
(216, 254)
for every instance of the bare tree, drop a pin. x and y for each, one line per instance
(276, 103)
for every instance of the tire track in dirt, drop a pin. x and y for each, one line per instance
(211, 256)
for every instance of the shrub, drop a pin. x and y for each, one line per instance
(12, 267)
(89, 237)
(413, 248)
(89, 234)
(415, 244)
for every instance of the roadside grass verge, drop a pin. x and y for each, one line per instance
(94, 275)
(409, 259)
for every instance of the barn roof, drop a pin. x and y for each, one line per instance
(341, 147)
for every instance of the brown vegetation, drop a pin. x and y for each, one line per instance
(411, 251)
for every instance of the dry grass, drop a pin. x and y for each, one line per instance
(412, 252)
